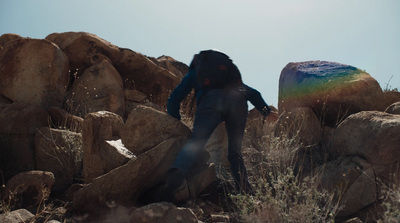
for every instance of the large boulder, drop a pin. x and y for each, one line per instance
(370, 134)
(333, 90)
(17, 216)
(127, 182)
(64, 120)
(19, 124)
(102, 150)
(98, 89)
(34, 71)
(176, 67)
(300, 125)
(163, 212)
(81, 46)
(352, 181)
(59, 152)
(390, 97)
(28, 188)
(394, 108)
(7, 37)
(140, 73)
(147, 127)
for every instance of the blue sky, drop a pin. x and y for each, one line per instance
(261, 36)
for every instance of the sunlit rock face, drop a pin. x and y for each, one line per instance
(333, 90)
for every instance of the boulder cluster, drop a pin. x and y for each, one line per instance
(340, 112)
(84, 121)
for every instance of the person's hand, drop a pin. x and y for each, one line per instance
(265, 111)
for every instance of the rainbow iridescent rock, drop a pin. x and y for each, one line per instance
(332, 89)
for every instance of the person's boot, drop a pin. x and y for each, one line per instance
(174, 180)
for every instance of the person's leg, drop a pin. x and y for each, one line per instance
(208, 116)
(204, 125)
(235, 124)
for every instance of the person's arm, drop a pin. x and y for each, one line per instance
(256, 99)
(178, 94)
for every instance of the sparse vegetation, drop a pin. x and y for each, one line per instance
(281, 195)
(391, 204)
(389, 87)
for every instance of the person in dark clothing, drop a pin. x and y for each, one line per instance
(214, 106)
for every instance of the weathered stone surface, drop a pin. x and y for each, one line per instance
(389, 98)
(257, 128)
(17, 216)
(140, 73)
(63, 119)
(163, 212)
(59, 152)
(28, 188)
(352, 179)
(81, 46)
(19, 123)
(147, 127)
(334, 91)
(127, 182)
(100, 156)
(98, 89)
(131, 105)
(370, 134)
(7, 37)
(4, 100)
(300, 124)
(134, 95)
(176, 67)
(394, 109)
(34, 71)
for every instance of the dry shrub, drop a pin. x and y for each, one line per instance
(390, 204)
(281, 193)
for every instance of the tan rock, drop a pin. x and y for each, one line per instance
(4, 100)
(140, 73)
(370, 134)
(81, 46)
(394, 108)
(146, 127)
(134, 95)
(127, 182)
(352, 180)
(59, 152)
(389, 98)
(17, 216)
(131, 105)
(7, 37)
(176, 67)
(19, 124)
(299, 124)
(102, 152)
(63, 119)
(98, 89)
(334, 91)
(257, 128)
(28, 188)
(34, 71)
(163, 212)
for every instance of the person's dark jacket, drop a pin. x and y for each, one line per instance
(189, 82)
